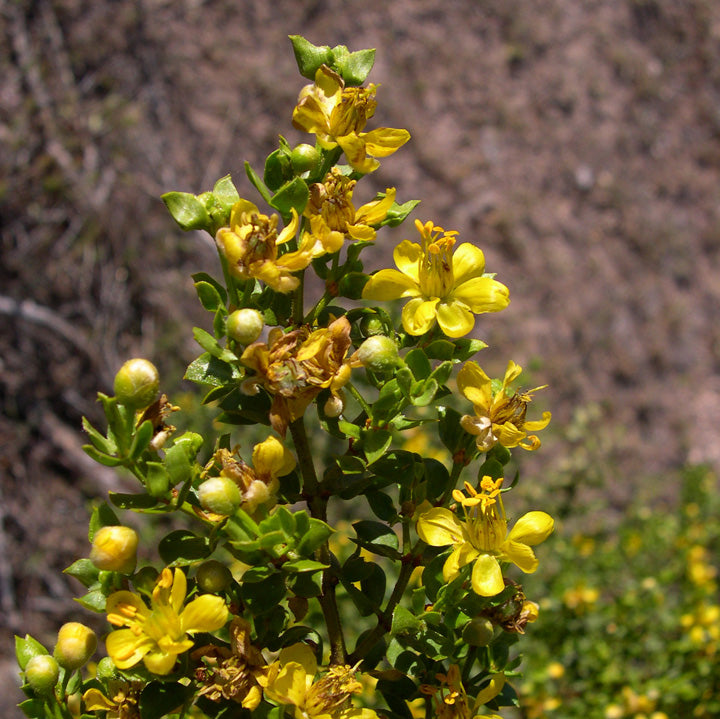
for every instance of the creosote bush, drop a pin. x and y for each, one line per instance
(259, 606)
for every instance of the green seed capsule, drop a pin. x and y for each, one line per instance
(213, 577)
(219, 495)
(42, 673)
(244, 326)
(379, 354)
(137, 384)
(304, 158)
(478, 632)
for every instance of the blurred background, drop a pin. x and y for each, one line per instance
(577, 143)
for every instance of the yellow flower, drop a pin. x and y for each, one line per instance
(451, 700)
(294, 367)
(250, 246)
(291, 682)
(482, 539)
(499, 415)
(158, 634)
(337, 114)
(442, 286)
(332, 213)
(122, 703)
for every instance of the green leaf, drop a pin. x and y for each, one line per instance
(187, 210)
(102, 516)
(205, 277)
(26, 649)
(388, 404)
(418, 362)
(258, 574)
(100, 457)
(377, 538)
(309, 57)
(440, 350)
(94, 601)
(293, 194)
(317, 534)
(161, 698)
(404, 622)
(257, 183)
(132, 501)
(207, 369)
(397, 213)
(182, 547)
(141, 440)
(452, 435)
(296, 566)
(263, 597)
(373, 586)
(225, 193)
(177, 464)
(356, 66)
(382, 505)
(210, 344)
(84, 571)
(351, 285)
(466, 348)
(375, 443)
(278, 169)
(422, 393)
(101, 443)
(209, 297)
(157, 480)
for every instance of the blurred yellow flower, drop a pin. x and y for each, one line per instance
(443, 286)
(291, 682)
(333, 216)
(250, 246)
(452, 702)
(499, 415)
(482, 539)
(158, 634)
(336, 115)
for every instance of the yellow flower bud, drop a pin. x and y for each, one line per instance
(219, 495)
(41, 673)
(76, 643)
(245, 325)
(213, 577)
(115, 549)
(137, 384)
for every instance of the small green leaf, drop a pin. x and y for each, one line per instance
(225, 193)
(101, 443)
(187, 210)
(209, 297)
(94, 601)
(132, 501)
(377, 538)
(159, 699)
(382, 506)
(466, 348)
(100, 457)
(356, 66)
(317, 534)
(418, 362)
(177, 464)
(351, 285)
(182, 547)
(278, 169)
(207, 369)
(405, 622)
(102, 516)
(296, 566)
(210, 344)
(440, 350)
(422, 393)
(397, 213)
(309, 57)
(141, 440)
(157, 479)
(26, 649)
(84, 571)
(375, 443)
(293, 194)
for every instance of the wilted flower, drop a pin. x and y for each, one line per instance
(158, 634)
(444, 286)
(482, 539)
(499, 415)
(234, 673)
(250, 246)
(337, 114)
(451, 701)
(294, 367)
(123, 702)
(291, 682)
(333, 216)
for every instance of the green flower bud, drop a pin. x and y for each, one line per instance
(114, 549)
(219, 495)
(137, 384)
(42, 673)
(106, 669)
(213, 577)
(379, 354)
(478, 632)
(76, 643)
(371, 325)
(244, 326)
(304, 158)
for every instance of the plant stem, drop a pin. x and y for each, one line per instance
(318, 509)
(359, 398)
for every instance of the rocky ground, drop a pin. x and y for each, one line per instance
(578, 143)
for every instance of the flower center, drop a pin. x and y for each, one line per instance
(332, 200)
(355, 107)
(435, 272)
(258, 234)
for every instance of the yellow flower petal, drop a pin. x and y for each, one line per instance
(487, 579)
(126, 648)
(532, 528)
(497, 682)
(159, 663)
(475, 384)
(204, 614)
(95, 700)
(239, 208)
(355, 152)
(361, 233)
(455, 319)
(290, 229)
(407, 256)
(178, 591)
(483, 294)
(468, 262)
(273, 458)
(383, 141)
(520, 555)
(535, 425)
(419, 315)
(124, 607)
(289, 686)
(301, 654)
(461, 556)
(439, 527)
(389, 285)
(375, 211)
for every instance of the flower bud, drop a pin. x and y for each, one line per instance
(213, 577)
(379, 354)
(42, 673)
(106, 669)
(478, 632)
(137, 384)
(219, 495)
(334, 406)
(371, 325)
(76, 643)
(115, 549)
(244, 326)
(304, 158)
